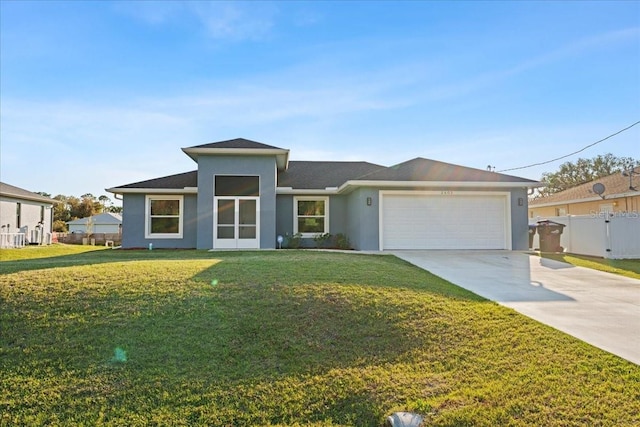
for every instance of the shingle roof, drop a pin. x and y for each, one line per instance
(420, 169)
(20, 193)
(237, 143)
(614, 184)
(320, 175)
(177, 181)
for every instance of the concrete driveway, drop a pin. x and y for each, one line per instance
(599, 308)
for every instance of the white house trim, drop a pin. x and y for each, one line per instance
(159, 191)
(147, 217)
(437, 184)
(311, 198)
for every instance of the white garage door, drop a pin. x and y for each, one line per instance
(444, 221)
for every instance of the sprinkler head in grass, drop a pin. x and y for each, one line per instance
(119, 355)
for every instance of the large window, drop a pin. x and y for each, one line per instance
(237, 185)
(311, 215)
(164, 217)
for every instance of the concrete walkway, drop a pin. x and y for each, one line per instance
(602, 309)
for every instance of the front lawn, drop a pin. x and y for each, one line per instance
(113, 337)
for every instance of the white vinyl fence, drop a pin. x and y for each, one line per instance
(12, 240)
(608, 235)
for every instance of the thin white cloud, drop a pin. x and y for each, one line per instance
(150, 12)
(578, 47)
(220, 20)
(234, 21)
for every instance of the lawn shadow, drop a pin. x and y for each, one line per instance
(99, 256)
(246, 332)
(227, 329)
(252, 315)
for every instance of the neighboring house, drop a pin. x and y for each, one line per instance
(244, 194)
(621, 194)
(101, 223)
(22, 211)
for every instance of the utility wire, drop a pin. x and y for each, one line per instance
(575, 152)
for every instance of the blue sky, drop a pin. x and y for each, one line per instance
(99, 94)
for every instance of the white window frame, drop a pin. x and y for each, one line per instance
(147, 217)
(314, 199)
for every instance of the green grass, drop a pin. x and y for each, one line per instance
(51, 251)
(623, 267)
(282, 338)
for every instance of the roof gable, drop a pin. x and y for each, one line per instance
(238, 143)
(239, 147)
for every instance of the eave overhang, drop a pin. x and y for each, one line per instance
(124, 190)
(446, 184)
(352, 184)
(281, 155)
(39, 199)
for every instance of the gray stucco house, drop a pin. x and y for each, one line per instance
(244, 194)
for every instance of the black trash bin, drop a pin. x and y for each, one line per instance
(550, 233)
(532, 232)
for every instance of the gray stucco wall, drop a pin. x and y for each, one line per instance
(350, 214)
(262, 166)
(284, 217)
(362, 220)
(338, 206)
(133, 232)
(519, 220)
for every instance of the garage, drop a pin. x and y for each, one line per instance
(444, 220)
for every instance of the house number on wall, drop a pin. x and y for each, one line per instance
(446, 193)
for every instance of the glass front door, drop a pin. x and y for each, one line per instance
(236, 223)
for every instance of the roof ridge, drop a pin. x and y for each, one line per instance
(238, 143)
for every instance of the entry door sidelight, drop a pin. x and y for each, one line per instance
(236, 223)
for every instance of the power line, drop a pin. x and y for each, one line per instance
(575, 152)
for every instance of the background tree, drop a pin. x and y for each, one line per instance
(584, 170)
(105, 202)
(61, 213)
(71, 207)
(88, 206)
(73, 204)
